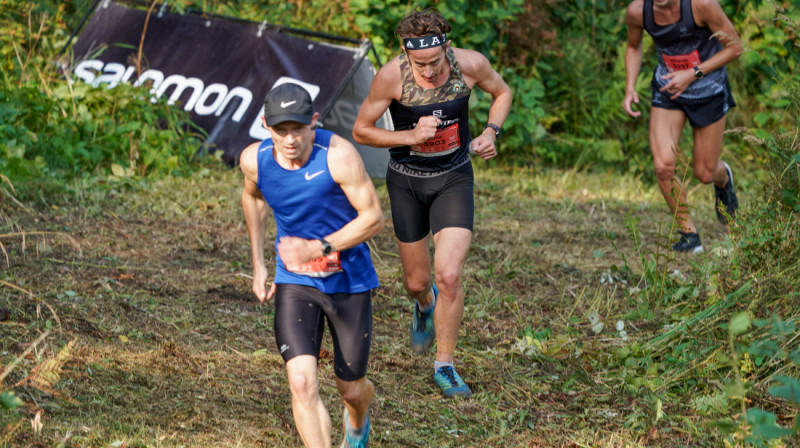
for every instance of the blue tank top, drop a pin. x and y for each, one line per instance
(449, 149)
(683, 45)
(308, 203)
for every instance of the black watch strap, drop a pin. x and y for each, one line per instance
(493, 126)
(326, 247)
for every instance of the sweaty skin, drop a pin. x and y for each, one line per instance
(666, 125)
(431, 68)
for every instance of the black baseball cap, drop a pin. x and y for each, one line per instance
(288, 102)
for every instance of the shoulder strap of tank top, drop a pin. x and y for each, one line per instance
(687, 15)
(455, 69)
(322, 138)
(647, 16)
(406, 76)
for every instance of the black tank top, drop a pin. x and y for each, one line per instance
(683, 45)
(447, 150)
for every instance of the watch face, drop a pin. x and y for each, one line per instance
(326, 248)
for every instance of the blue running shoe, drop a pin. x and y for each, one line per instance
(351, 441)
(451, 384)
(422, 331)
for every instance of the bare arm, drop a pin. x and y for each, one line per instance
(255, 215)
(710, 13)
(477, 69)
(707, 13)
(633, 55)
(387, 86)
(347, 170)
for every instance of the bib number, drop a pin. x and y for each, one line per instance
(318, 267)
(678, 62)
(444, 142)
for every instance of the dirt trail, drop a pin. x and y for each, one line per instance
(173, 350)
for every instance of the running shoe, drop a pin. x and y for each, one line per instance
(422, 331)
(726, 198)
(351, 441)
(689, 242)
(451, 384)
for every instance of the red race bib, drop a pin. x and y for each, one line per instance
(444, 142)
(319, 267)
(678, 62)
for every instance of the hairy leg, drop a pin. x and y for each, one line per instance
(708, 166)
(357, 396)
(452, 245)
(666, 126)
(310, 416)
(416, 262)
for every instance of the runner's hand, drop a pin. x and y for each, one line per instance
(425, 129)
(260, 276)
(484, 146)
(678, 82)
(295, 251)
(631, 97)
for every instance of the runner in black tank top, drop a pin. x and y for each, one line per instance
(449, 148)
(426, 89)
(694, 40)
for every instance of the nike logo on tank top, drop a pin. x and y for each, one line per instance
(308, 203)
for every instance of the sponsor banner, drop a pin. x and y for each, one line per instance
(217, 69)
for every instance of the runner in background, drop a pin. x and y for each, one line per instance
(694, 40)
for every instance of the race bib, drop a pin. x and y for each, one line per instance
(444, 142)
(678, 62)
(318, 267)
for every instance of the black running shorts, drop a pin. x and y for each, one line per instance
(299, 324)
(700, 112)
(424, 204)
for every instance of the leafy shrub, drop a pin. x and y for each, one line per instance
(52, 127)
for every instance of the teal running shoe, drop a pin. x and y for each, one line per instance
(451, 384)
(351, 441)
(422, 331)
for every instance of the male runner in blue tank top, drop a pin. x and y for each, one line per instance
(694, 40)
(325, 208)
(429, 180)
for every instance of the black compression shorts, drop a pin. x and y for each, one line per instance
(299, 324)
(422, 204)
(700, 112)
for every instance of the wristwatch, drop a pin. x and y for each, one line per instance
(698, 73)
(326, 247)
(493, 126)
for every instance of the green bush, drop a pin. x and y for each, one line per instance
(59, 129)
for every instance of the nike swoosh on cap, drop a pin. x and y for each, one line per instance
(311, 176)
(284, 105)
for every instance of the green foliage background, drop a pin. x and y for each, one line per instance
(563, 60)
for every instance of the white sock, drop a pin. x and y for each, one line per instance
(439, 364)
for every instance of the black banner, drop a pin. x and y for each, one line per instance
(217, 69)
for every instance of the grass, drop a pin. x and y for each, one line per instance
(151, 281)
